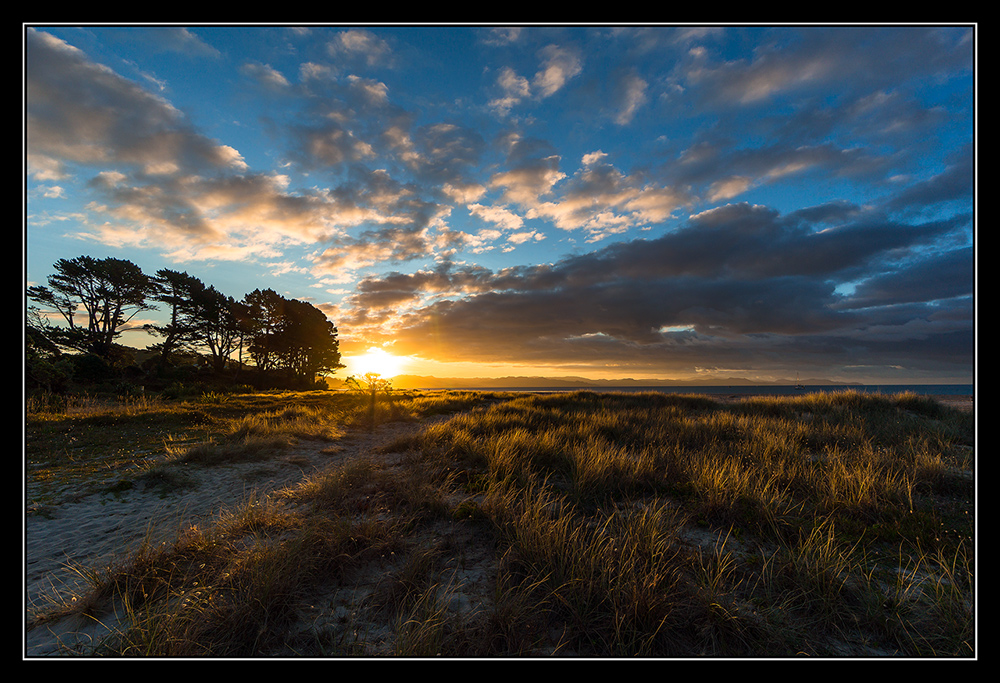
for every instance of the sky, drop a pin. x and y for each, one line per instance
(648, 201)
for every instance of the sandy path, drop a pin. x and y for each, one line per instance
(96, 529)
(962, 401)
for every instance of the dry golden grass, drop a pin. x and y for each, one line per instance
(599, 524)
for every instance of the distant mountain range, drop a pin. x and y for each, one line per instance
(428, 382)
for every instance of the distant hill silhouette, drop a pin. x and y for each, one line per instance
(429, 382)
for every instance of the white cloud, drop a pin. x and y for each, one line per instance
(265, 74)
(45, 168)
(374, 91)
(466, 193)
(728, 188)
(558, 67)
(522, 237)
(361, 43)
(633, 97)
(498, 215)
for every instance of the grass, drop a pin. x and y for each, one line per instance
(528, 525)
(85, 444)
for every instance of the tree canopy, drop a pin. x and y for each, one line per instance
(179, 291)
(289, 334)
(110, 293)
(97, 298)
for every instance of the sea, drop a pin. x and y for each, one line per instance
(764, 389)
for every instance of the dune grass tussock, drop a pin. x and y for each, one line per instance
(583, 524)
(829, 487)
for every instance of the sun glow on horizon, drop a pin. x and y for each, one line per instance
(377, 361)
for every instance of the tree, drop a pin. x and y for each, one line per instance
(181, 293)
(44, 365)
(265, 311)
(110, 293)
(309, 344)
(290, 335)
(218, 324)
(98, 297)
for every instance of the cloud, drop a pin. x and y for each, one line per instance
(631, 97)
(375, 306)
(443, 151)
(463, 192)
(498, 215)
(374, 177)
(522, 237)
(727, 188)
(81, 112)
(600, 200)
(558, 66)
(384, 245)
(328, 145)
(927, 278)
(955, 183)
(266, 75)
(181, 40)
(45, 168)
(800, 61)
(734, 283)
(231, 210)
(179, 192)
(513, 88)
(532, 172)
(360, 43)
(500, 36)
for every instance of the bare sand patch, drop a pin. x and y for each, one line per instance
(94, 530)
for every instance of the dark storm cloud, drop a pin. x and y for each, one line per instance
(752, 242)
(955, 183)
(734, 281)
(383, 296)
(935, 277)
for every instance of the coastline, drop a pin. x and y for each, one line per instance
(960, 396)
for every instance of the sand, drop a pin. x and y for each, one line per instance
(91, 531)
(964, 402)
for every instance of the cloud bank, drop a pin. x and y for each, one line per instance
(648, 201)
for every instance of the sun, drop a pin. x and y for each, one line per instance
(377, 361)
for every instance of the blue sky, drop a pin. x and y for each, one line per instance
(685, 201)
